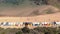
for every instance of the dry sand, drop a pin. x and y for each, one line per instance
(28, 11)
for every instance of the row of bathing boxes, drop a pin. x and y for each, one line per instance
(30, 24)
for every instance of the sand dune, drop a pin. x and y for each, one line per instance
(28, 11)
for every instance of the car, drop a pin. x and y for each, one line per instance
(36, 24)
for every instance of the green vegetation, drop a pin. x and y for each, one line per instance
(24, 3)
(25, 30)
(38, 30)
(55, 3)
(17, 2)
(19, 32)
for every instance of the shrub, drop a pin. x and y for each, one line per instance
(1, 29)
(19, 32)
(25, 30)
